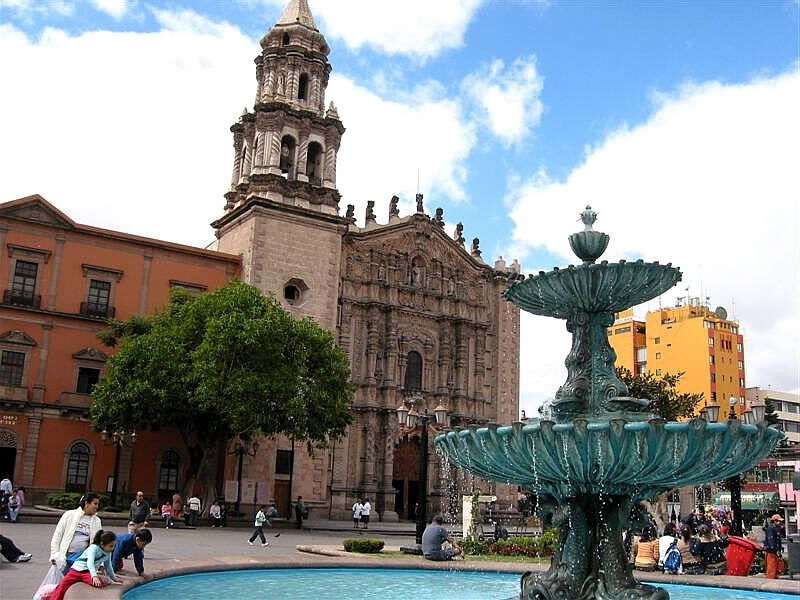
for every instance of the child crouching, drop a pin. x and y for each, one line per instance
(85, 568)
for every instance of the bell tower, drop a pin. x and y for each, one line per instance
(282, 207)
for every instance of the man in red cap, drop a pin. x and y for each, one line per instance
(772, 545)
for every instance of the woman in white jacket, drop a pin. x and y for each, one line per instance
(75, 530)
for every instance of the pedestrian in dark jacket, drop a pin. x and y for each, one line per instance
(300, 512)
(772, 546)
(131, 544)
(140, 510)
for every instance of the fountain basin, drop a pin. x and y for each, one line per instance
(640, 459)
(592, 288)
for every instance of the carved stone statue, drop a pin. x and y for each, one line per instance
(350, 215)
(420, 208)
(458, 236)
(475, 249)
(438, 219)
(281, 84)
(393, 210)
(369, 217)
(588, 217)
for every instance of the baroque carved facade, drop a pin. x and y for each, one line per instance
(421, 318)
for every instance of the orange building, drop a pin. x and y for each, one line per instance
(63, 280)
(703, 344)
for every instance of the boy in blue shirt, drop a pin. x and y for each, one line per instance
(131, 544)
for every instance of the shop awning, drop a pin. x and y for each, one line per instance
(750, 500)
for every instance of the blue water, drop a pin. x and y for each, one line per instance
(373, 584)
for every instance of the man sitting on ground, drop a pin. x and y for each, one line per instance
(433, 537)
(131, 543)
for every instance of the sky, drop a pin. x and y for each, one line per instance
(677, 121)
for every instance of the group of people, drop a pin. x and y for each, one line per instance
(175, 510)
(12, 500)
(361, 510)
(697, 545)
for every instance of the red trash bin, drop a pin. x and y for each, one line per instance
(740, 555)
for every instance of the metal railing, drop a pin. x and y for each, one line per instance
(15, 298)
(101, 311)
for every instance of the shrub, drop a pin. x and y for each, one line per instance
(363, 545)
(69, 500)
(543, 545)
(473, 546)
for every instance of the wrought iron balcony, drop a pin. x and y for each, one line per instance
(22, 299)
(100, 311)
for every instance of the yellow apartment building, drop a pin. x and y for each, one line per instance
(691, 338)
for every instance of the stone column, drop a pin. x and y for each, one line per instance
(372, 350)
(57, 254)
(387, 492)
(369, 450)
(147, 263)
(37, 394)
(332, 141)
(462, 356)
(480, 369)
(302, 151)
(391, 357)
(259, 79)
(31, 448)
(444, 359)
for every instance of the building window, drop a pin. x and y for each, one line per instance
(78, 467)
(283, 462)
(285, 41)
(413, 371)
(741, 381)
(291, 294)
(314, 163)
(98, 298)
(713, 397)
(302, 87)
(711, 342)
(640, 329)
(738, 347)
(713, 378)
(741, 400)
(288, 146)
(640, 368)
(11, 367)
(24, 282)
(641, 355)
(658, 371)
(657, 340)
(622, 330)
(711, 359)
(168, 473)
(87, 377)
(740, 364)
(658, 355)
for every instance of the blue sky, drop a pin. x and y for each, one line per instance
(674, 120)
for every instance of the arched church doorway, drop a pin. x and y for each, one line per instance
(8, 453)
(405, 477)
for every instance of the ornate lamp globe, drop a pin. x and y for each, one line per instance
(402, 415)
(758, 411)
(713, 412)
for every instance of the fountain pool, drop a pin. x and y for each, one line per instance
(374, 584)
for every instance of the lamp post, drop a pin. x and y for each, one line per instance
(241, 448)
(408, 420)
(118, 438)
(734, 485)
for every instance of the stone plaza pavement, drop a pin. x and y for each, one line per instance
(183, 550)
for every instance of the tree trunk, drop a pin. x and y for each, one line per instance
(202, 470)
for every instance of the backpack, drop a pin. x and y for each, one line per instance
(672, 561)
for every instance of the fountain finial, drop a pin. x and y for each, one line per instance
(588, 217)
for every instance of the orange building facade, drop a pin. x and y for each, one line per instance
(703, 344)
(63, 281)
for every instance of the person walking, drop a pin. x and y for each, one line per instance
(772, 546)
(258, 530)
(75, 529)
(140, 510)
(300, 512)
(366, 509)
(10, 551)
(357, 507)
(194, 510)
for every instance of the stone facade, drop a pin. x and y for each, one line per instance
(421, 317)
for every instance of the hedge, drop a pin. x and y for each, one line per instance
(69, 500)
(363, 545)
(543, 545)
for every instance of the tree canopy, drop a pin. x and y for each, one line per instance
(662, 391)
(224, 364)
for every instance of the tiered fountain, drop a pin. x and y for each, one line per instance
(602, 452)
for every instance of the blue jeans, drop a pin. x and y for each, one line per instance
(12, 514)
(258, 531)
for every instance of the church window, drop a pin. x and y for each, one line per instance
(287, 156)
(291, 294)
(302, 87)
(314, 163)
(286, 39)
(78, 468)
(413, 371)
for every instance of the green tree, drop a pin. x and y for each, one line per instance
(224, 364)
(662, 391)
(770, 416)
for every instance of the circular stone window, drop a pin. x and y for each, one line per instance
(294, 291)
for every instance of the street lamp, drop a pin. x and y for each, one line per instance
(704, 413)
(118, 438)
(758, 411)
(241, 448)
(748, 418)
(734, 485)
(713, 412)
(412, 419)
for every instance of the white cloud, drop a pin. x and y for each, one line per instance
(26, 9)
(387, 141)
(709, 183)
(140, 138)
(508, 97)
(419, 28)
(115, 8)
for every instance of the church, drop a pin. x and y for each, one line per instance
(418, 311)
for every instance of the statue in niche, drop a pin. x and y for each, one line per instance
(458, 236)
(451, 286)
(381, 271)
(370, 213)
(475, 249)
(281, 84)
(350, 215)
(420, 208)
(439, 218)
(393, 210)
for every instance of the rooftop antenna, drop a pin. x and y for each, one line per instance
(418, 180)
